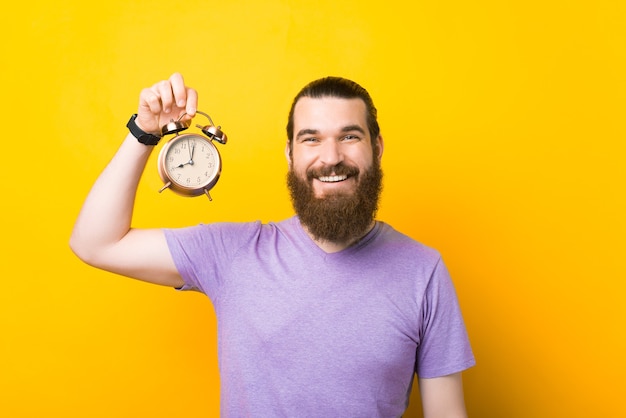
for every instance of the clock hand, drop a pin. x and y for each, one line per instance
(193, 148)
(181, 165)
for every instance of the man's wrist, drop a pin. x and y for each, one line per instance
(143, 137)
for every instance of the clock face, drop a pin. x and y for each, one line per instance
(191, 163)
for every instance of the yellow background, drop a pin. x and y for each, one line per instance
(505, 147)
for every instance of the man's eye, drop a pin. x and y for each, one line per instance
(310, 139)
(350, 137)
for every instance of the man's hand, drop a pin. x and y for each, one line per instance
(165, 101)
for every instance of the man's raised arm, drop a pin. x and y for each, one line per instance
(102, 235)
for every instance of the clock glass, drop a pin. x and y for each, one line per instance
(191, 163)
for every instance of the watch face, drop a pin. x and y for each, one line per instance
(191, 163)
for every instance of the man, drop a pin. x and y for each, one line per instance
(328, 313)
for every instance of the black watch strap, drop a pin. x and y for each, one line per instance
(143, 137)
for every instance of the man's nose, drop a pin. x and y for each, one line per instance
(330, 152)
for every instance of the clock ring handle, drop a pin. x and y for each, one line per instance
(206, 115)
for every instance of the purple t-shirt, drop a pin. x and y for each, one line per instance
(306, 333)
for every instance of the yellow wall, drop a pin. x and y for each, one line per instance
(505, 147)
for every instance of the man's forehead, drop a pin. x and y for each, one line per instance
(325, 111)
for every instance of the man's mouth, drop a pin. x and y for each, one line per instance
(333, 175)
(332, 179)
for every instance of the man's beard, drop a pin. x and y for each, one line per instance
(340, 217)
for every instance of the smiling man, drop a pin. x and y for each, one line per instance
(335, 177)
(328, 313)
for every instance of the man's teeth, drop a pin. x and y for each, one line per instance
(332, 179)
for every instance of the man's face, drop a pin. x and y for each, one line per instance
(335, 176)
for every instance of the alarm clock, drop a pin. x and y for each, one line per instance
(190, 164)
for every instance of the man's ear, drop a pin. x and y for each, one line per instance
(380, 147)
(288, 153)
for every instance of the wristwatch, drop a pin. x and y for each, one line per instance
(143, 137)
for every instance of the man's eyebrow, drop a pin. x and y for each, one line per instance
(351, 128)
(347, 128)
(303, 132)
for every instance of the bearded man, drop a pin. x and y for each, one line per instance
(329, 313)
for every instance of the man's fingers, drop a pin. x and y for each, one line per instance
(163, 90)
(184, 97)
(166, 100)
(192, 102)
(178, 89)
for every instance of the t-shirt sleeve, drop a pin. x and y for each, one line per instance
(444, 347)
(204, 252)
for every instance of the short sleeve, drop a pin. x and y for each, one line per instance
(444, 344)
(204, 252)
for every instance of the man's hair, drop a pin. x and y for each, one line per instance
(340, 88)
